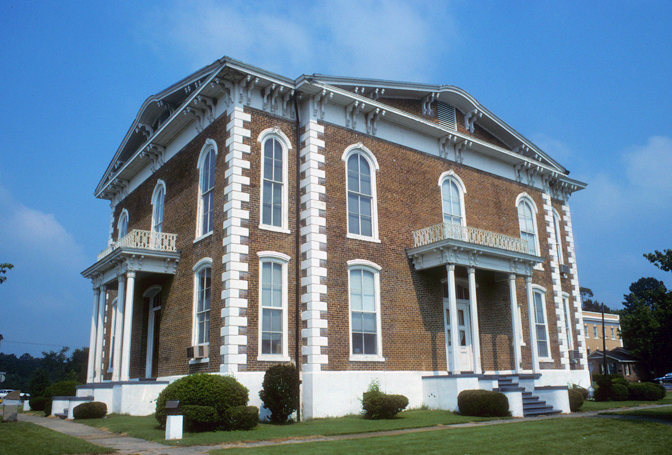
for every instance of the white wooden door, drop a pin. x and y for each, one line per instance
(465, 352)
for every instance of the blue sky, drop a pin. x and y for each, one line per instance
(589, 82)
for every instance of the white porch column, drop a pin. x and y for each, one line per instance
(92, 341)
(514, 322)
(100, 326)
(473, 309)
(454, 330)
(118, 332)
(532, 316)
(128, 327)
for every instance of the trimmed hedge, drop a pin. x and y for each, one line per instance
(38, 403)
(582, 390)
(280, 391)
(200, 418)
(619, 392)
(241, 417)
(604, 385)
(379, 405)
(59, 389)
(483, 403)
(575, 399)
(663, 390)
(203, 390)
(92, 410)
(645, 391)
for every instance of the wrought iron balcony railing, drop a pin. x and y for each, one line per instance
(146, 240)
(446, 231)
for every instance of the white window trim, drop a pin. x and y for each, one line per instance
(362, 264)
(150, 293)
(113, 335)
(373, 165)
(198, 267)
(535, 211)
(160, 184)
(558, 236)
(283, 260)
(568, 320)
(541, 290)
(452, 176)
(277, 134)
(585, 329)
(210, 144)
(124, 213)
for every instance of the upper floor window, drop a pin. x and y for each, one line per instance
(558, 237)
(452, 192)
(207, 165)
(365, 324)
(202, 300)
(122, 225)
(540, 323)
(274, 178)
(613, 333)
(596, 332)
(585, 330)
(273, 301)
(361, 167)
(568, 321)
(527, 210)
(158, 200)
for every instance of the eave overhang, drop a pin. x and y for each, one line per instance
(126, 259)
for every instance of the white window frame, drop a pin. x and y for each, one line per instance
(613, 333)
(558, 236)
(210, 145)
(113, 327)
(282, 259)
(368, 266)
(524, 197)
(585, 329)
(451, 177)
(368, 155)
(536, 289)
(568, 320)
(596, 332)
(158, 202)
(266, 135)
(150, 294)
(205, 263)
(123, 219)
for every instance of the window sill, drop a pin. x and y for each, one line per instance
(363, 238)
(538, 267)
(267, 227)
(204, 236)
(366, 358)
(197, 361)
(273, 358)
(545, 359)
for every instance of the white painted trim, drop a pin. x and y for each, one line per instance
(204, 236)
(368, 155)
(277, 134)
(124, 213)
(282, 259)
(202, 263)
(152, 291)
(542, 291)
(526, 197)
(361, 264)
(274, 131)
(197, 269)
(151, 326)
(209, 145)
(274, 255)
(113, 334)
(160, 184)
(360, 147)
(558, 237)
(453, 177)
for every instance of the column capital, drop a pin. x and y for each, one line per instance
(528, 279)
(512, 276)
(450, 267)
(130, 274)
(122, 277)
(471, 270)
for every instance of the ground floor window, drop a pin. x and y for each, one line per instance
(364, 290)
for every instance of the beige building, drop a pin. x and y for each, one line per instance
(592, 323)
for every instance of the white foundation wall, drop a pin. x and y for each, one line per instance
(564, 378)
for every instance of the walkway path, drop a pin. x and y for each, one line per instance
(135, 446)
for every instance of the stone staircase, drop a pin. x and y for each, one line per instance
(532, 405)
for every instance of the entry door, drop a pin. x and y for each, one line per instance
(153, 330)
(465, 353)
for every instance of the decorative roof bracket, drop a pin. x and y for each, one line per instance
(351, 111)
(209, 104)
(427, 103)
(285, 104)
(196, 114)
(145, 130)
(320, 100)
(460, 148)
(372, 120)
(155, 154)
(470, 119)
(226, 87)
(246, 89)
(443, 144)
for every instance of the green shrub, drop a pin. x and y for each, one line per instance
(92, 410)
(379, 405)
(575, 399)
(59, 389)
(280, 391)
(584, 392)
(200, 418)
(483, 403)
(619, 392)
(38, 403)
(620, 380)
(645, 391)
(241, 417)
(603, 389)
(218, 392)
(661, 388)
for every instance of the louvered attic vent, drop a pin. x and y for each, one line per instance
(446, 115)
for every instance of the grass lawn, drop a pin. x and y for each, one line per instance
(601, 405)
(655, 413)
(147, 427)
(24, 438)
(550, 437)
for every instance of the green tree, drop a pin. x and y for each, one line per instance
(661, 260)
(3, 270)
(646, 321)
(588, 304)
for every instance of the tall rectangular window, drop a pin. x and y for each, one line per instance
(364, 312)
(207, 205)
(271, 308)
(273, 184)
(596, 331)
(568, 322)
(203, 305)
(540, 324)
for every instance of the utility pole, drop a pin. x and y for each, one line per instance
(604, 343)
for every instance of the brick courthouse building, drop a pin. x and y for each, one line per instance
(361, 229)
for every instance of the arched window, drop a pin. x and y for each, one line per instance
(274, 177)
(122, 225)
(540, 322)
(202, 301)
(558, 237)
(452, 193)
(365, 322)
(568, 321)
(158, 200)
(207, 165)
(273, 303)
(361, 167)
(527, 210)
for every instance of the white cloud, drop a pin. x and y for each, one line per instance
(557, 150)
(649, 169)
(394, 40)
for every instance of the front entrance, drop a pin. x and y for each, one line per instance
(465, 350)
(153, 330)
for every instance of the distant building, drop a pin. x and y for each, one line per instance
(592, 322)
(619, 361)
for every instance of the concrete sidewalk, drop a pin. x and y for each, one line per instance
(136, 446)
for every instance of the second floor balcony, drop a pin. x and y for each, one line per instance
(448, 243)
(144, 240)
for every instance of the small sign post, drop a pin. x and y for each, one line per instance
(175, 421)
